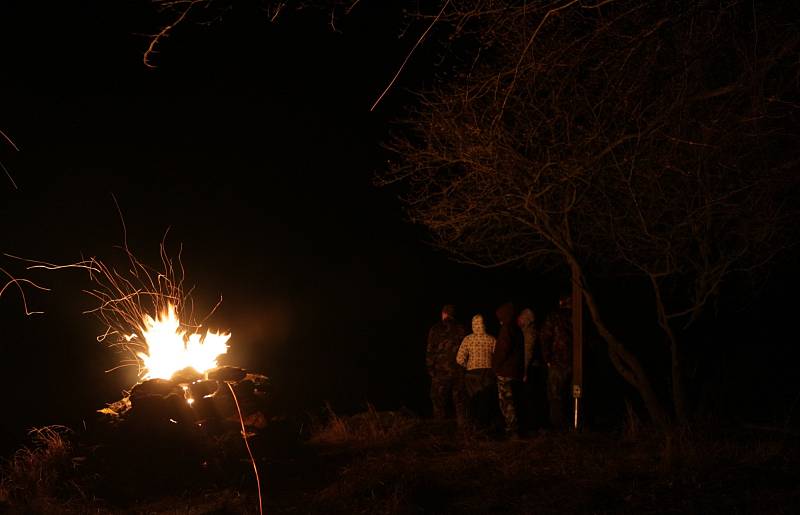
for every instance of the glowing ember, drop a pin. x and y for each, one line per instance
(170, 349)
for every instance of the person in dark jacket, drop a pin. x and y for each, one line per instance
(507, 363)
(533, 399)
(556, 336)
(447, 377)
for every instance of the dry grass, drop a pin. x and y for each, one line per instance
(395, 463)
(633, 427)
(369, 427)
(36, 478)
(438, 469)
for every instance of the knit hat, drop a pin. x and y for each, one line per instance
(505, 313)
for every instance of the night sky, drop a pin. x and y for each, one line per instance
(253, 144)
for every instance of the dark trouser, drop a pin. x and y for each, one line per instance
(480, 385)
(448, 390)
(557, 395)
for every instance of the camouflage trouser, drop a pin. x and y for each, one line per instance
(557, 384)
(447, 391)
(505, 394)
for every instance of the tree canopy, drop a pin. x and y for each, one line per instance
(656, 138)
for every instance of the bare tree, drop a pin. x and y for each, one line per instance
(655, 135)
(173, 13)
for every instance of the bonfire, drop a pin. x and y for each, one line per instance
(149, 317)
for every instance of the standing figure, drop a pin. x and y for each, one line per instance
(533, 400)
(507, 362)
(556, 338)
(447, 378)
(526, 322)
(475, 355)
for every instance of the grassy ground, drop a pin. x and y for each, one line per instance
(393, 462)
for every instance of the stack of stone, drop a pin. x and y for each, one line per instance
(185, 427)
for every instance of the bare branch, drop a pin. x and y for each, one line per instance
(186, 6)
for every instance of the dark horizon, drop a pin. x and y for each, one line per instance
(253, 145)
(262, 176)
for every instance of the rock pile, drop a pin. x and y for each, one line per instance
(183, 430)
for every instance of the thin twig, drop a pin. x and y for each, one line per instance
(527, 47)
(164, 32)
(352, 6)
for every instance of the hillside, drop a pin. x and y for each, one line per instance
(394, 462)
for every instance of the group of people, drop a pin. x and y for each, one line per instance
(474, 374)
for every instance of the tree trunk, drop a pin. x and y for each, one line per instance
(626, 363)
(678, 390)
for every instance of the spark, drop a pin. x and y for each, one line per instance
(13, 281)
(14, 145)
(247, 445)
(9, 140)
(148, 312)
(8, 174)
(421, 38)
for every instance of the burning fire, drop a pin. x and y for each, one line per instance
(170, 348)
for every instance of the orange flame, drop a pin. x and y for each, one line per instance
(170, 348)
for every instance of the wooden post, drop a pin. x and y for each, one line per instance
(577, 347)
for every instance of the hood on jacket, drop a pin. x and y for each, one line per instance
(477, 325)
(505, 313)
(526, 317)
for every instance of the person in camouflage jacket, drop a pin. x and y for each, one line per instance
(447, 377)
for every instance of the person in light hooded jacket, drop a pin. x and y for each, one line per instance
(475, 355)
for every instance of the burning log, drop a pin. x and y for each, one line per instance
(227, 374)
(204, 388)
(201, 402)
(151, 388)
